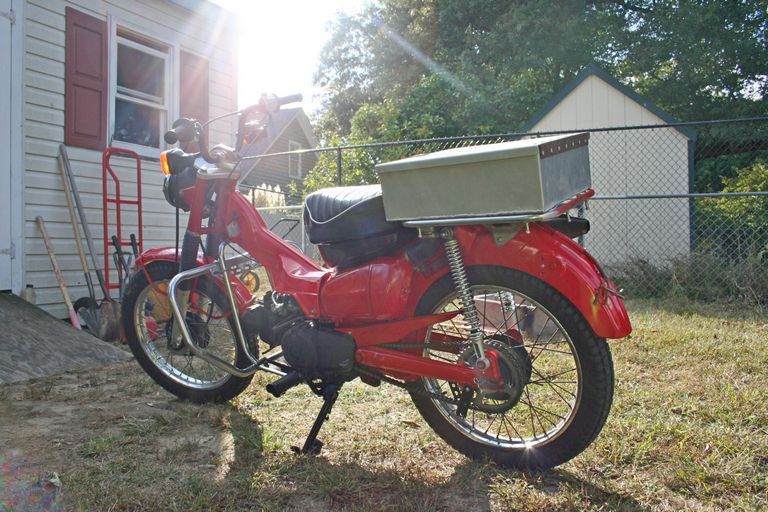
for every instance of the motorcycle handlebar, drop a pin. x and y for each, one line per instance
(292, 98)
(186, 130)
(269, 103)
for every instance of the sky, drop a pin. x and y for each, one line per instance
(280, 43)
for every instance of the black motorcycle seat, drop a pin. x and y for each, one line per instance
(343, 214)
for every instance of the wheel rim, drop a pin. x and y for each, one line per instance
(553, 393)
(153, 323)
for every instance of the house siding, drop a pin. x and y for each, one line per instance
(44, 62)
(633, 162)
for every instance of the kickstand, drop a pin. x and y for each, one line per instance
(312, 445)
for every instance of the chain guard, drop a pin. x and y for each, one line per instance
(509, 350)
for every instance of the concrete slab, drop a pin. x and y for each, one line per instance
(35, 344)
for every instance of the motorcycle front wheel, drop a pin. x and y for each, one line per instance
(148, 323)
(559, 373)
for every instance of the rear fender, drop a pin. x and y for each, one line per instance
(150, 257)
(558, 261)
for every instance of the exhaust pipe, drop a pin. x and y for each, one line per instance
(284, 383)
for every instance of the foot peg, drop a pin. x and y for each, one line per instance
(284, 383)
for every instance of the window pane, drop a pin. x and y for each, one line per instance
(137, 124)
(141, 72)
(294, 160)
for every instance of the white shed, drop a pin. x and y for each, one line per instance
(94, 74)
(632, 162)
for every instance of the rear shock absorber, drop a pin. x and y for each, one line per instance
(460, 279)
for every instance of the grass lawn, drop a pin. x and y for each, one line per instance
(688, 430)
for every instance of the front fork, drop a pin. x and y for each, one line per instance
(460, 279)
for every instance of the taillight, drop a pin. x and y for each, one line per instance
(164, 166)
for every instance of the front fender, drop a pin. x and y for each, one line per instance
(558, 261)
(243, 296)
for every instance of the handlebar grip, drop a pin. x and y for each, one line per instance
(171, 137)
(293, 98)
(183, 130)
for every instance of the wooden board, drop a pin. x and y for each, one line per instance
(35, 344)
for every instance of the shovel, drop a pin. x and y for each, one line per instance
(87, 306)
(104, 321)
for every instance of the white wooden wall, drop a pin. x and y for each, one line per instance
(632, 162)
(44, 131)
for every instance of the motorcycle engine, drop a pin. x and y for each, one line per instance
(319, 353)
(315, 352)
(270, 319)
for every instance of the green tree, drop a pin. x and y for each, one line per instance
(697, 59)
(410, 69)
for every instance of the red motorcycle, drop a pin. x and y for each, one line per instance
(496, 327)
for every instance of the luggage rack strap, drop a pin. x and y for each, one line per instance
(556, 211)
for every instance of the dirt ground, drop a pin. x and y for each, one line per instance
(53, 428)
(687, 431)
(68, 441)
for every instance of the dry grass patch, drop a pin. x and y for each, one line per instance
(689, 430)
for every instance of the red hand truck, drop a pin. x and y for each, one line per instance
(118, 201)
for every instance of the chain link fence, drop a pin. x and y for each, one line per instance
(680, 209)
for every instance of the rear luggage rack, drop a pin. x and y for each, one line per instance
(505, 219)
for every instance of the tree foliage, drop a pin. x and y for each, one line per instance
(409, 69)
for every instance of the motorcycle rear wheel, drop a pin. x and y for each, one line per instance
(147, 321)
(567, 369)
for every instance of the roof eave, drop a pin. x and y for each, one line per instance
(603, 75)
(196, 5)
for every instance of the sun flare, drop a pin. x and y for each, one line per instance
(280, 44)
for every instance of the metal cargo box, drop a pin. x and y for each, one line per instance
(525, 176)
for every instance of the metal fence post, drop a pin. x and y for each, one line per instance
(338, 166)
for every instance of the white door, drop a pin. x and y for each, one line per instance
(5, 144)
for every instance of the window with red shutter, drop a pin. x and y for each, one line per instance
(135, 105)
(86, 81)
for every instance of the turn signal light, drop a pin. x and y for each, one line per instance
(164, 163)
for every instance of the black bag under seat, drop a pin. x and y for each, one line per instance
(349, 225)
(355, 252)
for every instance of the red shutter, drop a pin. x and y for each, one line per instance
(193, 101)
(86, 89)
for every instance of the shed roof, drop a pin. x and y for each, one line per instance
(594, 70)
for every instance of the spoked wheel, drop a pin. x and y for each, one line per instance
(558, 375)
(148, 323)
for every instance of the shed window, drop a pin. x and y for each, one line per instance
(294, 160)
(142, 93)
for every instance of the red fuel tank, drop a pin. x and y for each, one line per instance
(375, 292)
